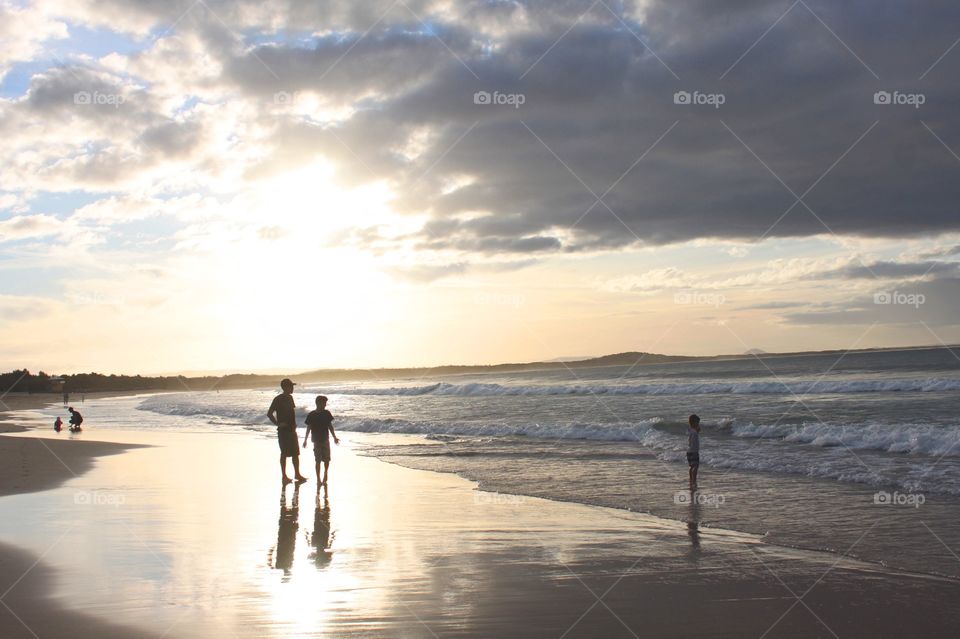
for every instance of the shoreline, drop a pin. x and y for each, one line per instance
(32, 465)
(482, 564)
(772, 507)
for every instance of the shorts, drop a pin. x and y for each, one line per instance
(287, 438)
(693, 459)
(321, 451)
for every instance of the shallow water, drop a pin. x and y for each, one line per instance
(194, 537)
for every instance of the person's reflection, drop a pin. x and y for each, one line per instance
(321, 539)
(693, 520)
(282, 554)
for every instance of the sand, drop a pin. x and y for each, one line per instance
(194, 537)
(30, 465)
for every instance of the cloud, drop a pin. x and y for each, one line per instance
(22, 227)
(935, 303)
(799, 115)
(23, 31)
(598, 157)
(423, 273)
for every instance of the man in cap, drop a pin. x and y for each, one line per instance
(283, 414)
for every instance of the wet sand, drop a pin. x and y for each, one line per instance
(34, 464)
(31, 464)
(194, 537)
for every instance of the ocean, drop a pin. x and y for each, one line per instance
(856, 454)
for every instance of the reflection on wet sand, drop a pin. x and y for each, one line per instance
(321, 538)
(693, 521)
(281, 555)
(417, 554)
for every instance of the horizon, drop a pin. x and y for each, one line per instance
(376, 185)
(554, 361)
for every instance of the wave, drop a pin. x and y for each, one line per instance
(922, 439)
(642, 432)
(797, 387)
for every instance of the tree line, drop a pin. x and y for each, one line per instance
(24, 381)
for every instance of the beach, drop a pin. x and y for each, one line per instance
(191, 535)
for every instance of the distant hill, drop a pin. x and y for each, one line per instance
(24, 381)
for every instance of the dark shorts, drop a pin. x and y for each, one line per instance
(321, 451)
(693, 459)
(287, 438)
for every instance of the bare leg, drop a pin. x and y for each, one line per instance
(326, 469)
(296, 468)
(283, 468)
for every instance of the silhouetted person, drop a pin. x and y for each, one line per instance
(66, 398)
(75, 420)
(693, 448)
(287, 526)
(320, 423)
(321, 538)
(283, 413)
(58, 425)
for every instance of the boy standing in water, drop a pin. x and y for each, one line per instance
(320, 423)
(693, 448)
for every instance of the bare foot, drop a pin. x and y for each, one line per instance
(286, 480)
(301, 478)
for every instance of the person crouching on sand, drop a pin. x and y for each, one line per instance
(693, 448)
(320, 423)
(75, 420)
(283, 414)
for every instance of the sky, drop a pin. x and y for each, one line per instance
(288, 184)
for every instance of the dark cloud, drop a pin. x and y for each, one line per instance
(935, 303)
(173, 139)
(799, 108)
(598, 117)
(891, 270)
